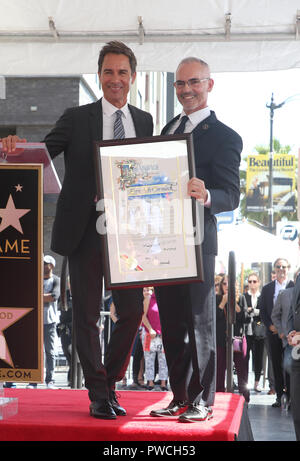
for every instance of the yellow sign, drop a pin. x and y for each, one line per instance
(284, 182)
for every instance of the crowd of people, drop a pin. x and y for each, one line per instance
(261, 325)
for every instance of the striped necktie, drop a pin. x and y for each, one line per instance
(181, 127)
(119, 132)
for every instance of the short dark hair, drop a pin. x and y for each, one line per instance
(117, 48)
(283, 259)
(193, 59)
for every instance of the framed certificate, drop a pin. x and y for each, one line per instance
(151, 227)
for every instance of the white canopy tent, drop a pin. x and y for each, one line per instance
(251, 244)
(63, 37)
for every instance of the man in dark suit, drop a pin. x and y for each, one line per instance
(74, 232)
(266, 303)
(293, 329)
(187, 312)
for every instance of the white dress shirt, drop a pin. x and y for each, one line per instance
(278, 288)
(109, 117)
(194, 119)
(254, 298)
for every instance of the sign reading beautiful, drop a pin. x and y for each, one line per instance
(284, 182)
(21, 274)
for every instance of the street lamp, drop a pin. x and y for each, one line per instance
(272, 106)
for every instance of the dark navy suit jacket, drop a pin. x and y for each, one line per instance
(266, 302)
(217, 150)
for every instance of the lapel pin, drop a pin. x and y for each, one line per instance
(205, 126)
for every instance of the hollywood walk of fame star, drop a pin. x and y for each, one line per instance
(9, 316)
(19, 188)
(11, 216)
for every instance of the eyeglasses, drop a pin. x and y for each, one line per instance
(281, 267)
(191, 83)
(252, 281)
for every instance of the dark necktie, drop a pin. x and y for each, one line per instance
(181, 127)
(119, 132)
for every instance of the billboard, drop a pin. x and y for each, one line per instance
(284, 182)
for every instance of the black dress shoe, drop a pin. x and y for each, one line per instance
(120, 411)
(102, 409)
(196, 413)
(276, 404)
(175, 408)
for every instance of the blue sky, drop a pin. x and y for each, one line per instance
(239, 100)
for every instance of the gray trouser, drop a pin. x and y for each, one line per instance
(156, 347)
(49, 346)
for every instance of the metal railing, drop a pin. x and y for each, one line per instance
(231, 316)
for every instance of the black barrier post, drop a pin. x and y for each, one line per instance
(230, 321)
(76, 372)
(63, 285)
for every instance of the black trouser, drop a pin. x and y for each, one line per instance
(276, 351)
(86, 274)
(187, 315)
(137, 358)
(257, 348)
(295, 396)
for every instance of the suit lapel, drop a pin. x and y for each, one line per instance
(168, 125)
(272, 290)
(204, 126)
(96, 121)
(296, 295)
(137, 121)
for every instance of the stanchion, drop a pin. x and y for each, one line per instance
(76, 371)
(230, 321)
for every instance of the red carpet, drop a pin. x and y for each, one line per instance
(62, 415)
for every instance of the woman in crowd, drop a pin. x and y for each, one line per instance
(152, 341)
(239, 358)
(254, 328)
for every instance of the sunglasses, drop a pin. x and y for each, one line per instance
(281, 267)
(252, 281)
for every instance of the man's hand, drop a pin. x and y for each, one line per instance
(196, 189)
(273, 329)
(9, 143)
(48, 298)
(293, 338)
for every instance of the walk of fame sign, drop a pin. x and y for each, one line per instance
(21, 269)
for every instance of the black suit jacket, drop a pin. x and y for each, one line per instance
(294, 314)
(217, 150)
(266, 302)
(74, 134)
